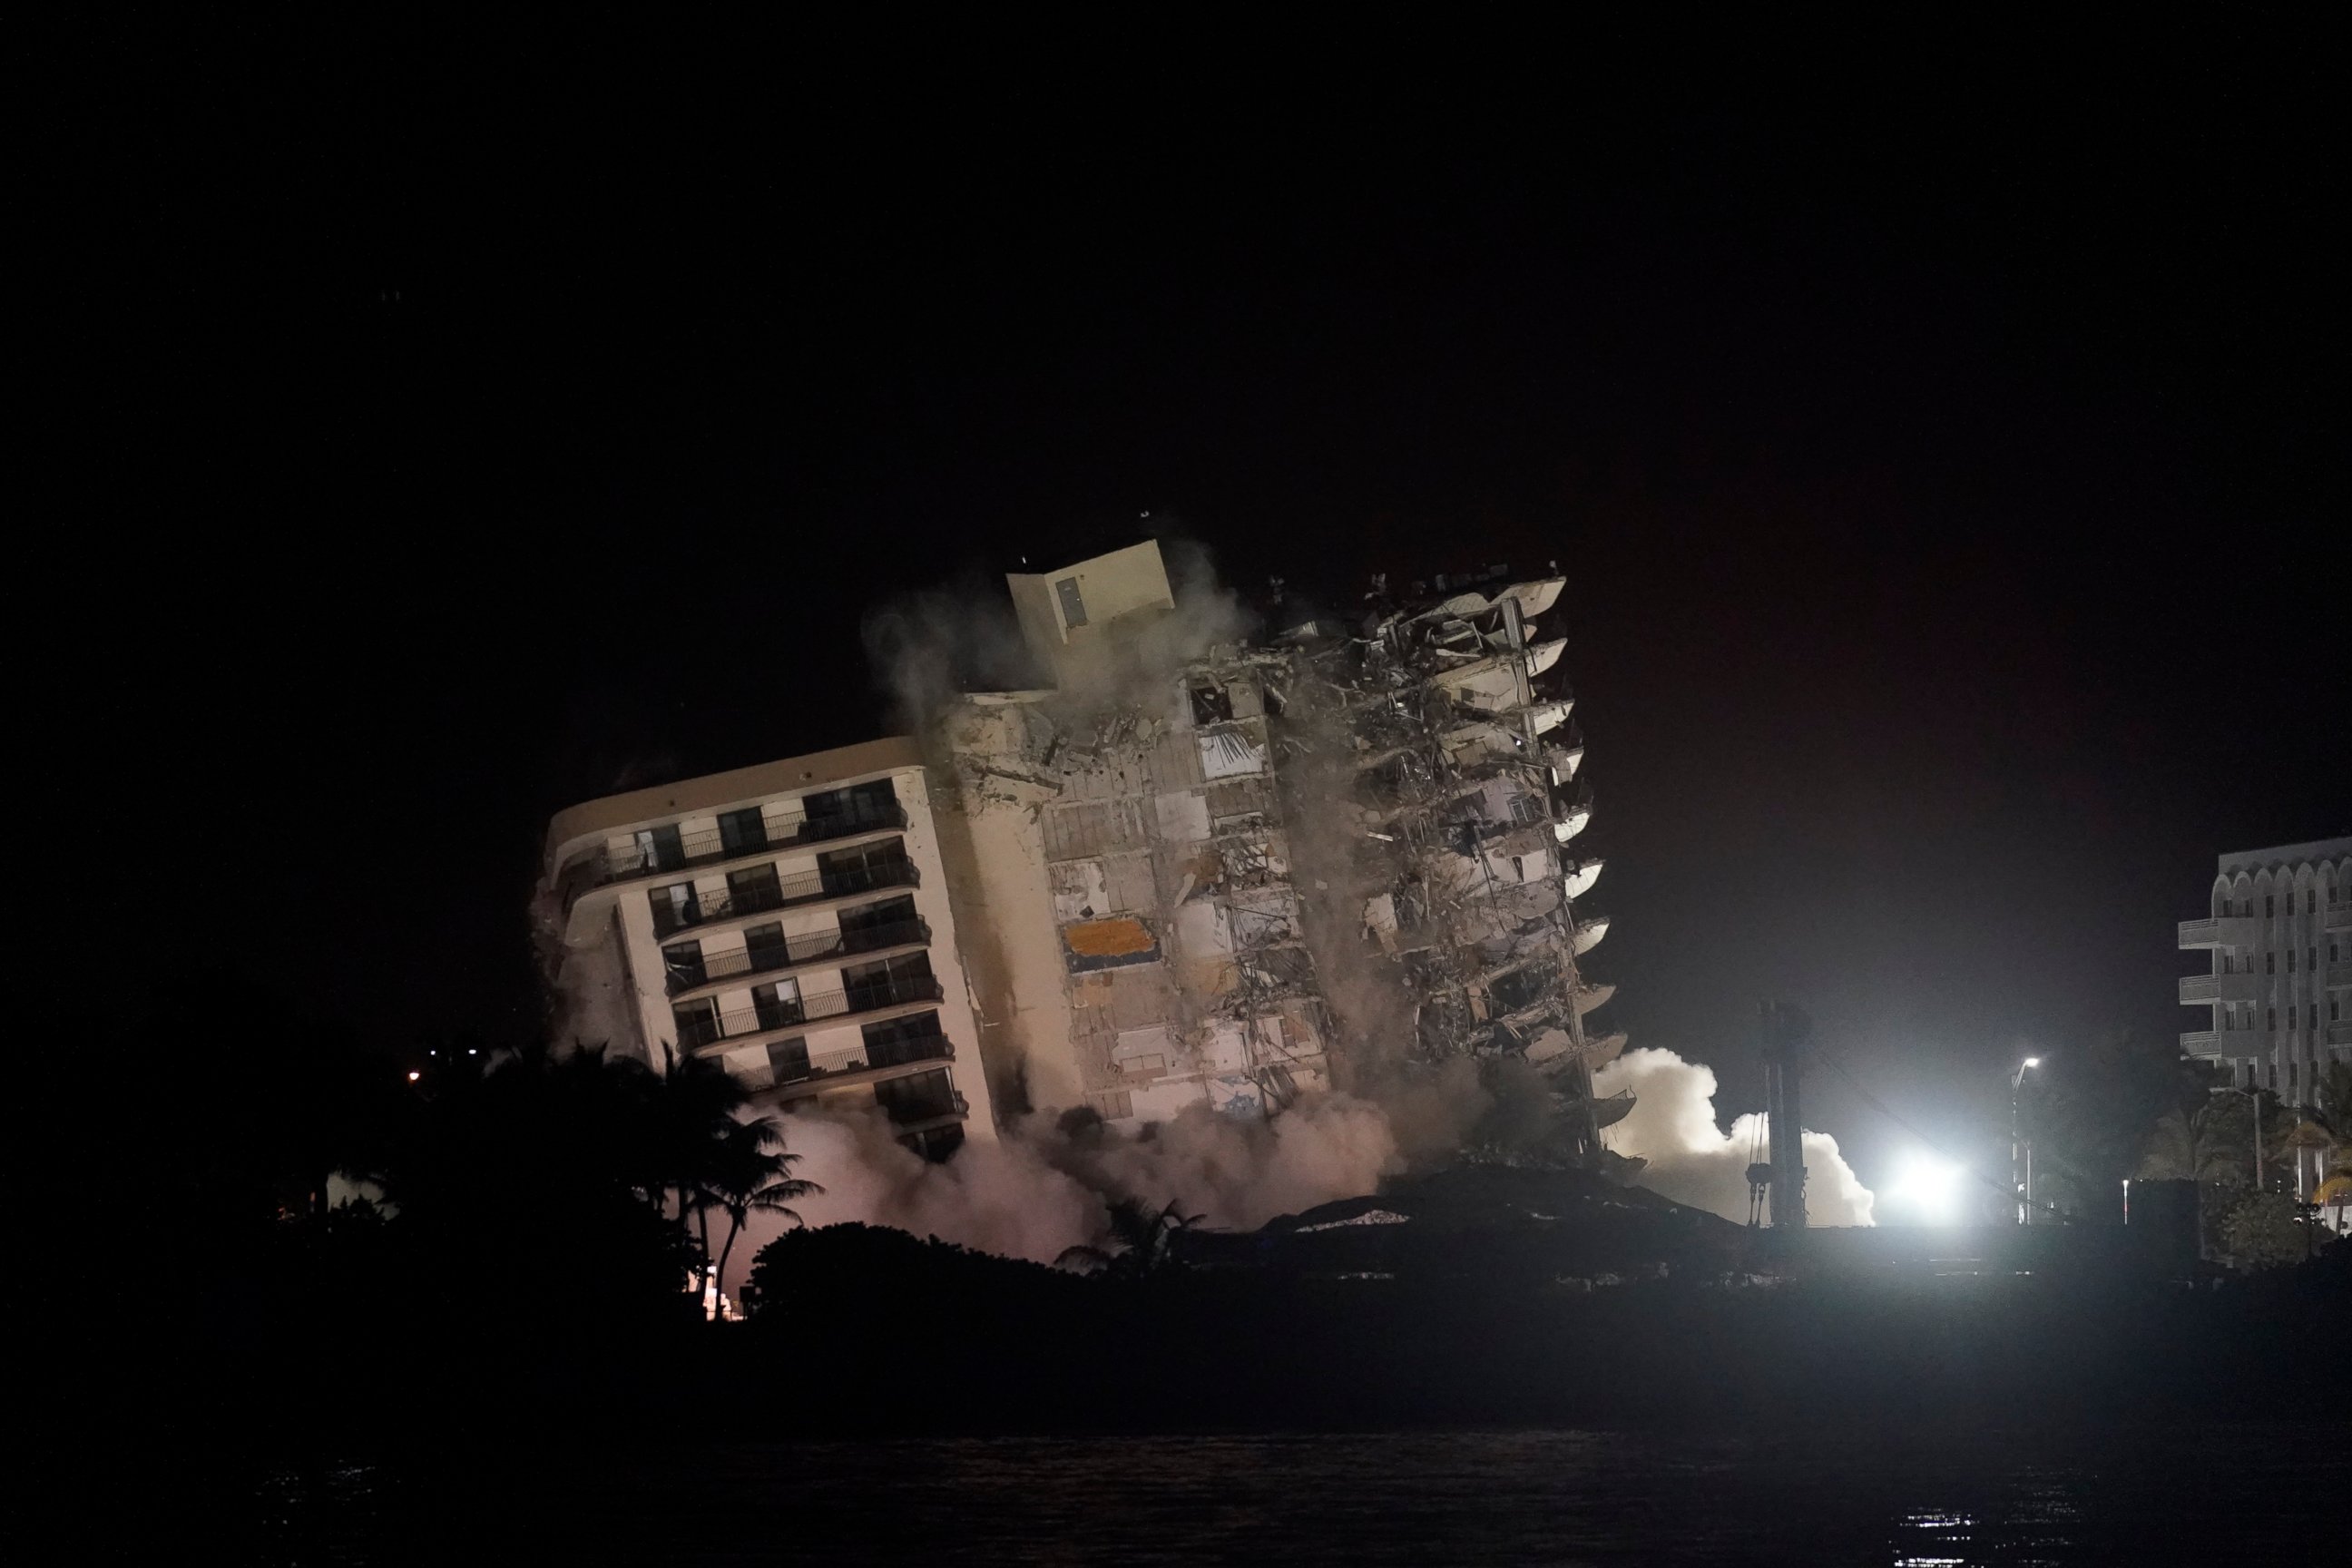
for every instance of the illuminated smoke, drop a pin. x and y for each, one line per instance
(1041, 1190)
(1692, 1161)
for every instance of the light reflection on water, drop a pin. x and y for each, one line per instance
(1518, 1496)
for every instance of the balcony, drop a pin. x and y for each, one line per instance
(784, 893)
(794, 951)
(2339, 1032)
(923, 1113)
(741, 1024)
(2339, 975)
(710, 846)
(2220, 930)
(835, 1070)
(2338, 917)
(2197, 990)
(2201, 1043)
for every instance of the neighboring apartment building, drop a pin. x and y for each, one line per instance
(2280, 990)
(2280, 986)
(790, 919)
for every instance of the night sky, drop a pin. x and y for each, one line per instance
(1933, 435)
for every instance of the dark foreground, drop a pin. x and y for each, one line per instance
(929, 1403)
(1914, 1496)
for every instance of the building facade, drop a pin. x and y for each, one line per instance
(1185, 871)
(790, 920)
(2278, 994)
(1213, 873)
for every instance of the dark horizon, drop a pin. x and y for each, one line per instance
(1941, 484)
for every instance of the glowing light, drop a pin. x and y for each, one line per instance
(2033, 1061)
(414, 1075)
(1929, 1189)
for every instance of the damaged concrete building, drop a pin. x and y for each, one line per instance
(1191, 867)
(1224, 873)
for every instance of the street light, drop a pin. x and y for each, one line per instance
(2020, 1153)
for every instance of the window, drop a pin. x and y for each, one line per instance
(2269, 905)
(2311, 956)
(917, 1099)
(1211, 705)
(788, 1060)
(753, 889)
(889, 982)
(2273, 1023)
(866, 927)
(696, 1023)
(777, 1005)
(2311, 901)
(2229, 1018)
(676, 907)
(2311, 1016)
(861, 808)
(2290, 1076)
(2331, 1012)
(864, 868)
(764, 948)
(2270, 963)
(2290, 961)
(683, 961)
(742, 832)
(901, 1040)
(659, 849)
(1074, 608)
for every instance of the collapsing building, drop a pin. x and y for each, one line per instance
(1191, 870)
(1207, 872)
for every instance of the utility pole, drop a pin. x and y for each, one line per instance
(1786, 1032)
(2020, 1153)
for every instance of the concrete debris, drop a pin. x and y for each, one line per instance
(1140, 839)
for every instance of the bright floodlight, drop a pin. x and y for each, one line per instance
(1928, 1188)
(414, 1075)
(2033, 1061)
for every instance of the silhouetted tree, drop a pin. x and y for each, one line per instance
(1141, 1242)
(753, 1174)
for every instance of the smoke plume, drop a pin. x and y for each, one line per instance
(1692, 1161)
(1043, 1188)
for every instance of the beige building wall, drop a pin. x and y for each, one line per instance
(603, 885)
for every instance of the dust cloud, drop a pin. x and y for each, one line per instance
(1692, 1161)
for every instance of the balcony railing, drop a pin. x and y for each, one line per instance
(821, 1065)
(801, 887)
(2199, 989)
(709, 844)
(2219, 931)
(808, 1008)
(797, 949)
(2201, 1043)
(930, 1107)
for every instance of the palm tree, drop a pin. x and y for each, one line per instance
(753, 1175)
(1141, 1241)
